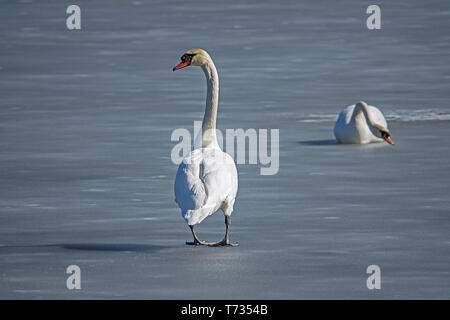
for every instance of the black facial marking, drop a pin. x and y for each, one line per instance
(384, 133)
(187, 57)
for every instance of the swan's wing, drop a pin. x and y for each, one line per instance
(345, 116)
(190, 190)
(341, 127)
(205, 179)
(220, 176)
(378, 117)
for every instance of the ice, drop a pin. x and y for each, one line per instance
(86, 178)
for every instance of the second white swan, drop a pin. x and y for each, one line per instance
(361, 124)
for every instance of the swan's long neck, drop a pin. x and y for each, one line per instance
(209, 138)
(364, 108)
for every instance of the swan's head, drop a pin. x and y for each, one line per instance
(383, 133)
(193, 57)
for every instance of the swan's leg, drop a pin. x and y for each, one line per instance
(197, 241)
(226, 240)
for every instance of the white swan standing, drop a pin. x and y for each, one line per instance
(207, 179)
(361, 124)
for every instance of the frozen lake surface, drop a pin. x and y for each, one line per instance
(86, 178)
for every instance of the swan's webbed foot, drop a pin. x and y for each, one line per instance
(224, 243)
(197, 242)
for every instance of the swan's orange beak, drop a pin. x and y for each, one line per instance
(181, 65)
(388, 140)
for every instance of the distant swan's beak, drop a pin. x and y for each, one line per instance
(388, 140)
(181, 65)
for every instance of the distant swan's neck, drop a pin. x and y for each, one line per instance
(209, 138)
(364, 108)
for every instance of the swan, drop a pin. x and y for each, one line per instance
(206, 180)
(361, 124)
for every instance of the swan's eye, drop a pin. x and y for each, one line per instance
(385, 134)
(187, 57)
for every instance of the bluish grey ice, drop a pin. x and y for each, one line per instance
(86, 178)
